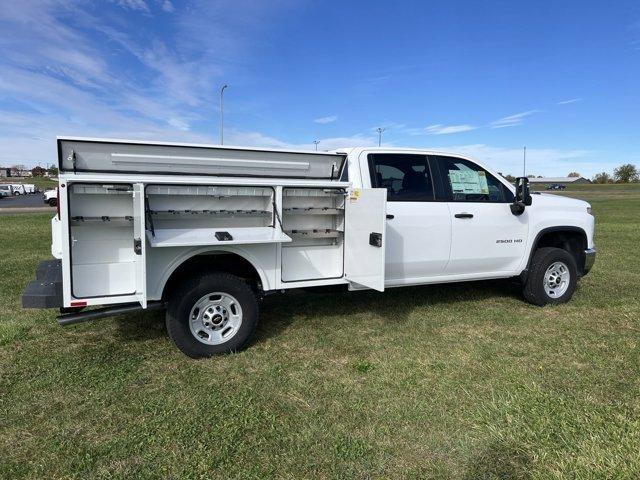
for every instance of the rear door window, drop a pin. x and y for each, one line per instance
(407, 177)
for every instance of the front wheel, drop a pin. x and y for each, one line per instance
(53, 202)
(552, 279)
(210, 314)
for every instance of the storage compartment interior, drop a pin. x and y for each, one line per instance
(184, 215)
(101, 227)
(314, 219)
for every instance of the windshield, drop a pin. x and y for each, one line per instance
(5, 187)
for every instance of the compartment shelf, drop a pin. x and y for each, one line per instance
(224, 213)
(113, 220)
(313, 211)
(184, 237)
(209, 191)
(314, 233)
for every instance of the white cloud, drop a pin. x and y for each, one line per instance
(62, 70)
(571, 100)
(139, 5)
(166, 5)
(512, 120)
(325, 120)
(447, 129)
(257, 139)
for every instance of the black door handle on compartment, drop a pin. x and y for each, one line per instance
(390, 217)
(463, 215)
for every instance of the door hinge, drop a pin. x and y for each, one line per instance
(137, 246)
(375, 239)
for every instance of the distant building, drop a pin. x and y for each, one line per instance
(550, 180)
(5, 172)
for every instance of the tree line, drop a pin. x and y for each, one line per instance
(627, 173)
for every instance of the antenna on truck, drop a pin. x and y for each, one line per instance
(222, 113)
(524, 162)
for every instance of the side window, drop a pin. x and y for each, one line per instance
(344, 177)
(468, 182)
(406, 177)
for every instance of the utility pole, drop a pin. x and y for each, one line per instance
(222, 114)
(524, 162)
(380, 130)
(316, 142)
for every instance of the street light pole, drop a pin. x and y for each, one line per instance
(316, 142)
(222, 114)
(380, 130)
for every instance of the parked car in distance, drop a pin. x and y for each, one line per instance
(5, 191)
(50, 197)
(18, 189)
(556, 186)
(29, 188)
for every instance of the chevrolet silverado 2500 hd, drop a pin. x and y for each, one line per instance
(204, 231)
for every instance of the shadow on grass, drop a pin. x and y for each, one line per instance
(141, 327)
(279, 311)
(500, 461)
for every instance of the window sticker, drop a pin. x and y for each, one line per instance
(468, 181)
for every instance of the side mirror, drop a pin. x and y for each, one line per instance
(523, 196)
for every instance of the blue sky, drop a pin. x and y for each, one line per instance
(482, 78)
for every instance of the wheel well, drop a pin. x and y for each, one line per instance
(573, 241)
(231, 263)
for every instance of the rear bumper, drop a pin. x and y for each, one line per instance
(46, 290)
(589, 260)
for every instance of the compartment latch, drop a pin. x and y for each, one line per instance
(375, 239)
(137, 246)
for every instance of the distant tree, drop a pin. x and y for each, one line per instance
(38, 171)
(53, 171)
(574, 175)
(602, 177)
(510, 178)
(531, 176)
(626, 173)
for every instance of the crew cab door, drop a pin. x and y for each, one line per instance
(418, 219)
(486, 238)
(364, 238)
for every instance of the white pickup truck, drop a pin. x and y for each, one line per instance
(206, 231)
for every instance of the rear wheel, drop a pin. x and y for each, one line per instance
(210, 314)
(553, 276)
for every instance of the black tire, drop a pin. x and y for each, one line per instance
(53, 202)
(184, 298)
(534, 289)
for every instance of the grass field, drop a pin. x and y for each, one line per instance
(457, 381)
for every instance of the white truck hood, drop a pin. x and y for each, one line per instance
(559, 201)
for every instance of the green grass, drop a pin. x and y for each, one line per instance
(456, 381)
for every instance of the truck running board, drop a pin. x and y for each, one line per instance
(80, 317)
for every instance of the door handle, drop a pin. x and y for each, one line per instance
(390, 217)
(463, 215)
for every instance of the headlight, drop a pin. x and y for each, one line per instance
(589, 211)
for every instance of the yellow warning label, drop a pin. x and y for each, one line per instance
(355, 194)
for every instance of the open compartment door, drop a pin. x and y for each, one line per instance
(139, 244)
(364, 237)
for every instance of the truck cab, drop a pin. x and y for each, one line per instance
(205, 231)
(449, 218)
